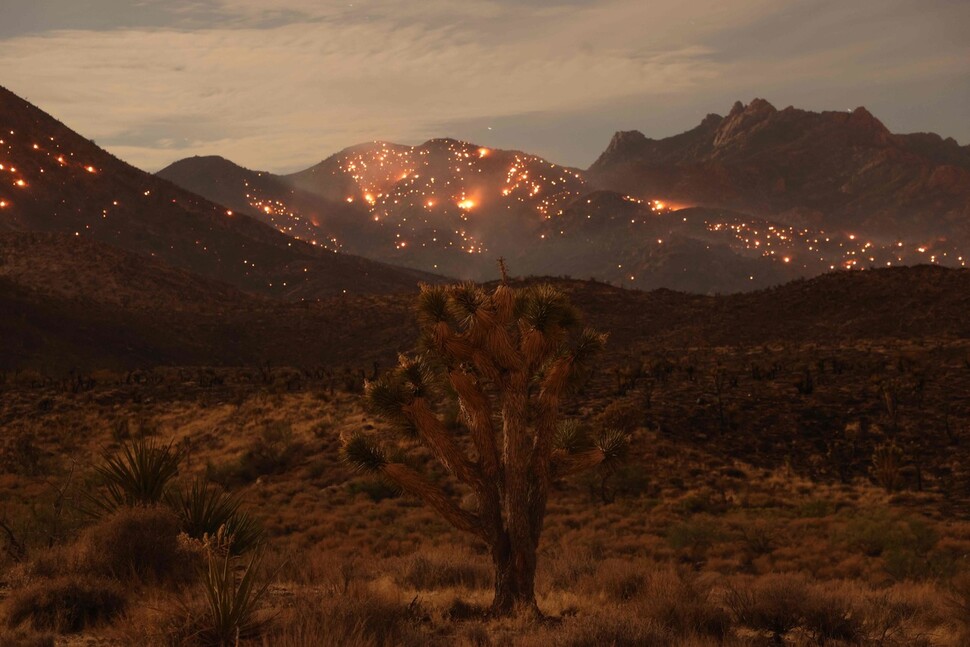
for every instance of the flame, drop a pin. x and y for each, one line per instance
(483, 152)
(466, 204)
(3, 204)
(20, 183)
(89, 169)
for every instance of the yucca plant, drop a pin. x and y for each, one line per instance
(205, 511)
(886, 466)
(137, 475)
(232, 600)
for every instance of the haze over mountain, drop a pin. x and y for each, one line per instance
(54, 180)
(740, 202)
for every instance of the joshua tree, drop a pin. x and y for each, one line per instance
(510, 357)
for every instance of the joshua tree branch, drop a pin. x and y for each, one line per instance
(416, 484)
(433, 432)
(566, 464)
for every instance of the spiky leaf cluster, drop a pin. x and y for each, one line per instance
(137, 475)
(363, 454)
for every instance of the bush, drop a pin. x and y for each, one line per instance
(772, 603)
(25, 638)
(426, 573)
(682, 606)
(66, 605)
(204, 511)
(831, 615)
(359, 617)
(138, 475)
(375, 489)
(136, 543)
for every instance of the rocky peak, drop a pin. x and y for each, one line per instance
(624, 143)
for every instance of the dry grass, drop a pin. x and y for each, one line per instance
(730, 537)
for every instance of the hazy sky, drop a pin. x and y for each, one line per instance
(281, 84)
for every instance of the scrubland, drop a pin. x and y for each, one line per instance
(797, 495)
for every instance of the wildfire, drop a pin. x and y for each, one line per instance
(20, 183)
(466, 204)
(3, 204)
(89, 169)
(483, 152)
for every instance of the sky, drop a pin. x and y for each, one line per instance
(279, 85)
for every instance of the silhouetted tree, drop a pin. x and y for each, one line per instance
(510, 357)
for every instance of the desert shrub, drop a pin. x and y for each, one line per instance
(136, 543)
(886, 466)
(205, 511)
(871, 533)
(137, 475)
(625, 480)
(609, 627)
(19, 454)
(692, 538)
(682, 606)
(623, 415)
(831, 615)
(66, 604)
(374, 489)
(359, 617)
(25, 638)
(773, 603)
(958, 597)
(620, 580)
(273, 451)
(426, 573)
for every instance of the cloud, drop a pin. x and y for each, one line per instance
(281, 88)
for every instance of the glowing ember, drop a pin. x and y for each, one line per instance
(89, 169)
(20, 183)
(483, 152)
(3, 204)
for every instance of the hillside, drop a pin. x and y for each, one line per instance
(57, 330)
(58, 181)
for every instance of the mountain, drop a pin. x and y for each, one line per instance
(384, 201)
(833, 171)
(54, 180)
(741, 202)
(444, 206)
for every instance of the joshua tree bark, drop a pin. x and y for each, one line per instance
(509, 357)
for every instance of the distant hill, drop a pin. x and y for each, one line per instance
(88, 326)
(836, 171)
(54, 180)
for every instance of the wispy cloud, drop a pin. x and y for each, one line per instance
(280, 88)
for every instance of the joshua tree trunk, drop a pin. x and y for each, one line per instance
(507, 356)
(515, 574)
